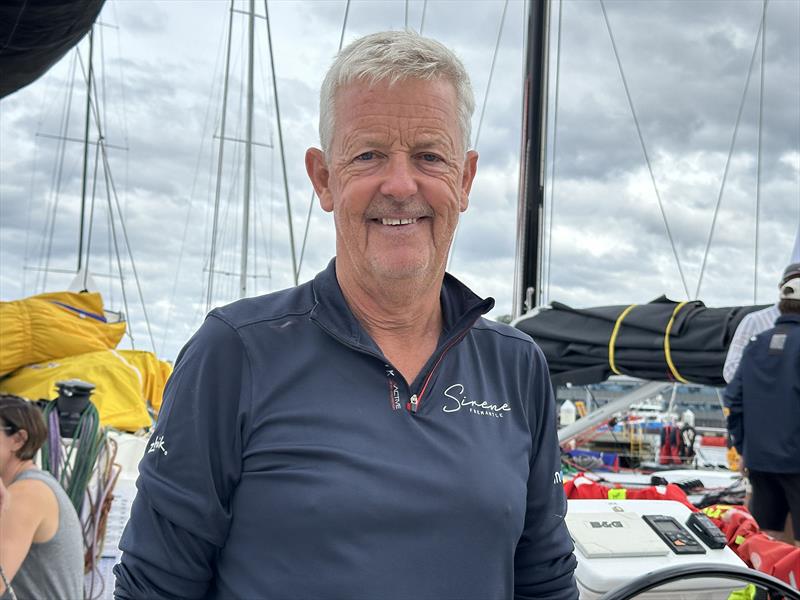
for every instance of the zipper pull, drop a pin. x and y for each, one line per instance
(414, 402)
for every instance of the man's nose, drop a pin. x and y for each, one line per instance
(399, 178)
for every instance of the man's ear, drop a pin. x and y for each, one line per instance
(470, 168)
(318, 173)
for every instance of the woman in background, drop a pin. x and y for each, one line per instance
(41, 544)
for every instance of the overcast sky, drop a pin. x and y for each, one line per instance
(160, 69)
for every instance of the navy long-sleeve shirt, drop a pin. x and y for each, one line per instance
(291, 460)
(763, 399)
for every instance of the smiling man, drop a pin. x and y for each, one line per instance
(367, 434)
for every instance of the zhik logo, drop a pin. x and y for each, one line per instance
(158, 444)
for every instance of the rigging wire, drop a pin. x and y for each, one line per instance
(295, 271)
(55, 184)
(90, 85)
(199, 306)
(729, 159)
(311, 200)
(758, 160)
(644, 150)
(227, 232)
(248, 152)
(269, 244)
(129, 328)
(220, 155)
(103, 97)
(422, 20)
(91, 221)
(106, 174)
(555, 145)
(109, 216)
(305, 233)
(32, 185)
(203, 135)
(110, 179)
(122, 86)
(483, 112)
(112, 190)
(406, 15)
(344, 22)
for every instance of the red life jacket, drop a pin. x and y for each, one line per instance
(671, 445)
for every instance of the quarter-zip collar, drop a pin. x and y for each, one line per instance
(460, 309)
(792, 318)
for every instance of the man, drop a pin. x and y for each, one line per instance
(763, 401)
(752, 324)
(367, 434)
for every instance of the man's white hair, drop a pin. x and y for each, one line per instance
(393, 56)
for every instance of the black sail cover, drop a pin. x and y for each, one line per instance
(576, 342)
(35, 34)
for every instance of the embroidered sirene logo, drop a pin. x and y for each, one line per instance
(457, 399)
(158, 444)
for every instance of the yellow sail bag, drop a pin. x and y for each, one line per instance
(54, 325)
(125, 381)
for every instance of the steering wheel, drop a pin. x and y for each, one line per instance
(653, 579)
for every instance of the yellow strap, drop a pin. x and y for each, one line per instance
(617, 494)
(666, 344)
(613, 339)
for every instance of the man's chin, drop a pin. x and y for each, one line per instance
(401, 270)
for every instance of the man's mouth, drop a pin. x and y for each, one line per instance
(390, 221)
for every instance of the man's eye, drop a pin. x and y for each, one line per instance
(429, 157)
(365, 156)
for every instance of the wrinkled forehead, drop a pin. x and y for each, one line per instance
(384, 109)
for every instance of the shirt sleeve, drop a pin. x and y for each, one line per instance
(733, 410)
(181, 514)
(544, 561)
(741, 338)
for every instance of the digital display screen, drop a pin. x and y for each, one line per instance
(669, 526)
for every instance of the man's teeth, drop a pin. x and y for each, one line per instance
(398, 221)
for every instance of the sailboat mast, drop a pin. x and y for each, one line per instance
(248, 149)
(530, 211)
(89, 75)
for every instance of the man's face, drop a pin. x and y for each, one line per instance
(396, 178)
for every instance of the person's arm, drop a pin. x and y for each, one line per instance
(741, 337)
(544, 560)
(23, 508)
(181, 516)
(733, 409)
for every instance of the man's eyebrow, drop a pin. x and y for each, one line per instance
(432, 140)
(364, 140)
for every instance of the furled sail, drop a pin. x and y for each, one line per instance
(661, 341)
(35, 35)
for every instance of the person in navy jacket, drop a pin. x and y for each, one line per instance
(368, 434)
(763, 403)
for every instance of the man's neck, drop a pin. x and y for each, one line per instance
(404, 318)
